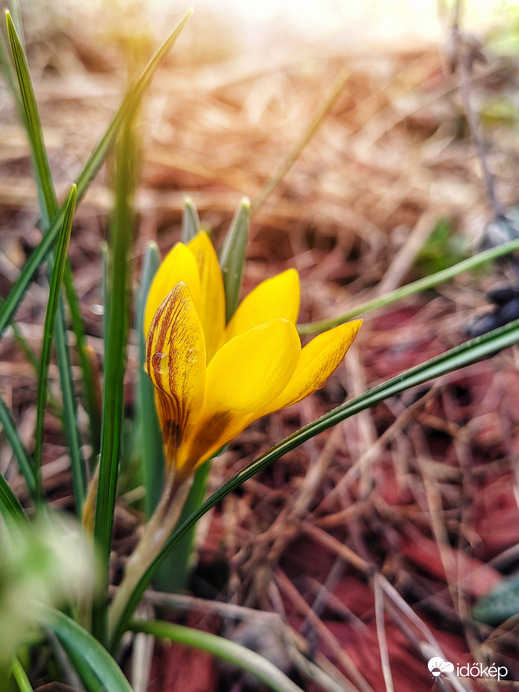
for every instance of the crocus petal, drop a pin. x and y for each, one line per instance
(210, 435)
(212, 296)
(175, 361)
(178, 265)
(319, 358)
(272, 299)
(245, 375)
(253, 368)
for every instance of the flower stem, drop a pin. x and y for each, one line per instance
(155, 534)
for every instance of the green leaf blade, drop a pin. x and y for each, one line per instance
(419, 286)
(232, 257)
(49, 210)
(92, 405)
(10, 507)
(190, 221)
(224, 649)
(117, 325)
(46, 192)
(152, 448)
(20, 677)
(50, 319)
(95, 666)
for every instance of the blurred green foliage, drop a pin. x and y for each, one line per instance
(443, 248)
(46, 563)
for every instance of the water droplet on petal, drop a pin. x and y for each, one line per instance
(160, 362)
(193, 355)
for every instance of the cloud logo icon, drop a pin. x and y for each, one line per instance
(437, 666)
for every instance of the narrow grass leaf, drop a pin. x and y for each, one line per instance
(46, 193)
(117, 323)
(190, 221)
(7, 70)
(232, 257)
(16, 14)
(10, 507)
(79, 671)
(458, 357)
(224, 649)
(50, 320)
(308, 133)
(20, 677)
(70, 422)
(30, 268)
(94, 163)
(91, 398)
(419, 286)
(152, 449)
(105, 288)
(93, 663)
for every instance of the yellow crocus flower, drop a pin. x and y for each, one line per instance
(212, 379)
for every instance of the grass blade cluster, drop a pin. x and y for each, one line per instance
(118, 296)
(90, 170)
(49, 210)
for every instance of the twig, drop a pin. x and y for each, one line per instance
(381, 635)
(373, 452)
(430, 646)
(464, 61)
(342, 656)
(321, 598)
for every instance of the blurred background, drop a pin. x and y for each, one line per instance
(347, 24)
